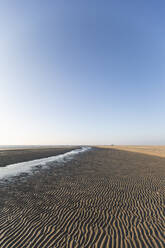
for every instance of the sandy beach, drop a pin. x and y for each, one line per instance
(100, 198)
(12, 156)
(150, 150)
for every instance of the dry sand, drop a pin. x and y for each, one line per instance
(150, 150)
(102, 198)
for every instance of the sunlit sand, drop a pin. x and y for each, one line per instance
(150, 150)
(100, 198)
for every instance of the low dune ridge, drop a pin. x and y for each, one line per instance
(150, 150)
(102, 198)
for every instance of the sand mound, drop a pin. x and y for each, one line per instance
(102, 198)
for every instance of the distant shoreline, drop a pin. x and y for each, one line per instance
(12, 156)
(27, 147)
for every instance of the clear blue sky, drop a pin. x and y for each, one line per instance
(82, 72)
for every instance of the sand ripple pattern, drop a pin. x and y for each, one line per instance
(103, 198)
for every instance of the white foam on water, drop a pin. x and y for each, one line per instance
(27, 167)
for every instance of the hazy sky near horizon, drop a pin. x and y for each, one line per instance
(82, 72)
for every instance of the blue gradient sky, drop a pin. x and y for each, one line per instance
(82, 72)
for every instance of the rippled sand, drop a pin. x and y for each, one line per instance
(102, 198)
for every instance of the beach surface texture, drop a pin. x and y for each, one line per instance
(150, 150)
(98, 198)
(12, 156)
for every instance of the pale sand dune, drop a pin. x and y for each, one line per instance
(102, 198)
(150, 150)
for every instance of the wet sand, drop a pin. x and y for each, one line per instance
(12, 156)
(101, 198)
